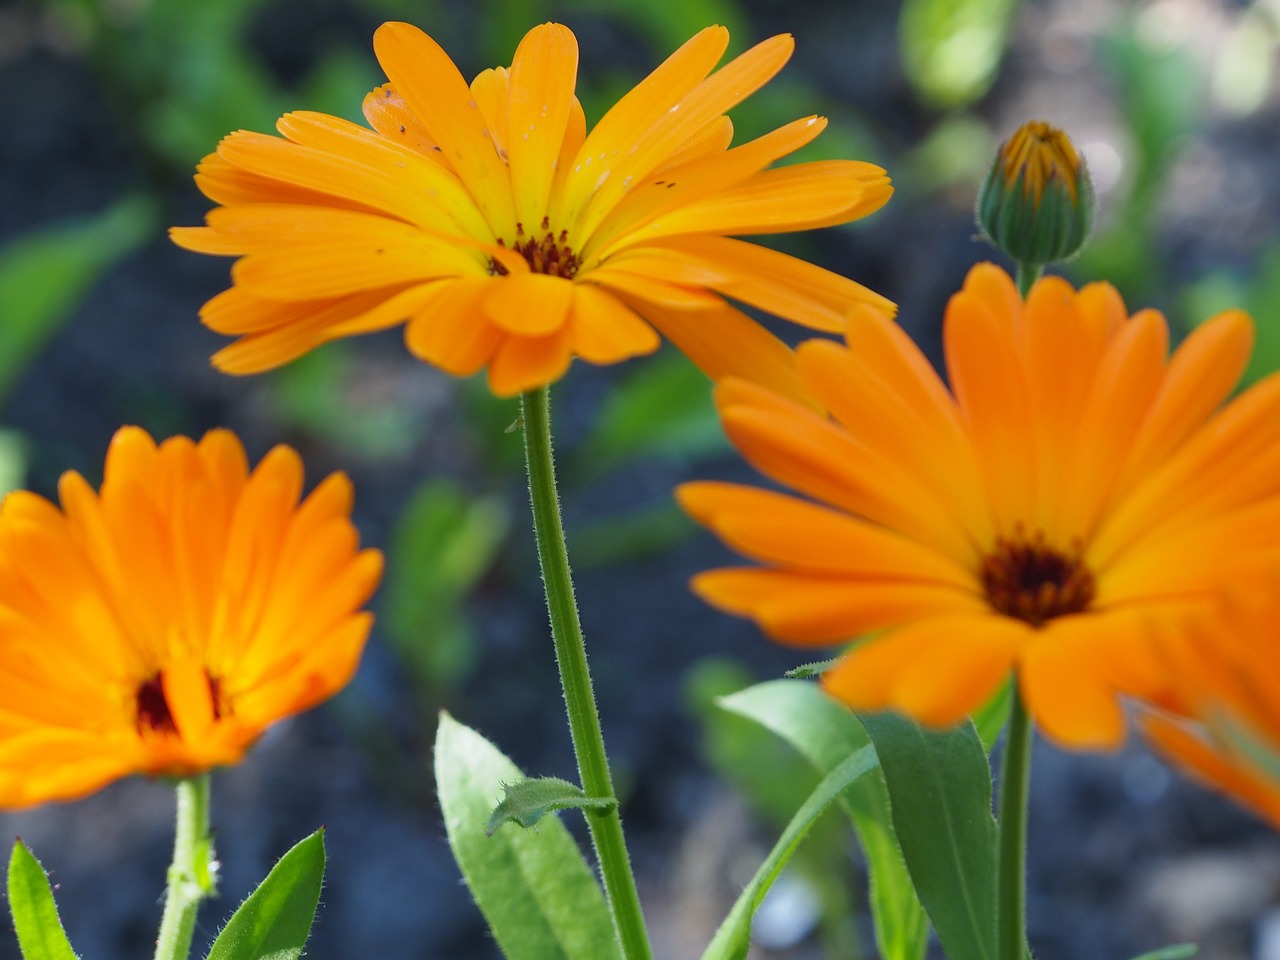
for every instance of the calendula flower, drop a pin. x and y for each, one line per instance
(513, 240)
(159, 625)
(1073, 486)
(1219, 715)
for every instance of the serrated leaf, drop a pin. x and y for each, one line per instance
(275, 921)
(534, 888)
(35, 915)
(825, 733)
(940, 794)
(733, 938)
(808, 670)
(1176, 951)
(528, 801)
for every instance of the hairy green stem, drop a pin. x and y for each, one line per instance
(190, 876)
(1015, 778)
(575, 679)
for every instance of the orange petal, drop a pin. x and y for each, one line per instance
(814, 610)
(438, 95)
(1064, 689)
(530, 304)
(451, 330)
(543, 74)
(523, 363)
(726, 342)
(606, 330)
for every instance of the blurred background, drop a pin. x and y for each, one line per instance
(105, 107)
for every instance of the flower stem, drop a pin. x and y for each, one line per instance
(575, 679)
(1026, 275)
(1015, 778)
(190, 875)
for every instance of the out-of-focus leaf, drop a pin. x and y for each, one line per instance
(940, 794)
(1177, 951)
(443, 543)
(647, 532)
(992, 716)
(525, 802)
(951, 49)
(733, 939)
(539, 896)
(327, 394)
(826, 733)
(664, 408)
(45, 275)
(668, 25)
(35, 916)
(275, 921)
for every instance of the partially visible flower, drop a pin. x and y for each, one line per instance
(161, 625)
(1219, 716)
(1073, 487)
(513, 240)
(1037, 202)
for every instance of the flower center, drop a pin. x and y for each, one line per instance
(153, 711)
(1027, 579)
(549, 253)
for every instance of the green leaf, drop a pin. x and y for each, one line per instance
(539, 896)
(815, 669)
(733, 939)
(663, 409)
(45, 275)
(992, 716)
(940, 794)
(951, 49)
(35, 916)
(826, 733)
(1176, 951)
(275, 921)
(444, 541)
(528, 801)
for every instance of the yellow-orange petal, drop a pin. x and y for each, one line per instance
(606, 330)
(439, 96)
(530, 305)
(813, 610)
(522, 363)
(451, 329)
(1063, 684)
(543, 74)
(725, 342)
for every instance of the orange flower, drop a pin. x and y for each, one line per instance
(160, 625)
(1222, 723)
(511, 239)
(1075, 485)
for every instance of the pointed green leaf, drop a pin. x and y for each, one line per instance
(733, 939)
(528, 801)
(35, 916)
(539, 896)
(275, 921)
(940, 794)
(808, 670)
(826, 733)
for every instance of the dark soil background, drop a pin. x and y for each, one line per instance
(1126, 856)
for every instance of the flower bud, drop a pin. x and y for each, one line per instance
(1037, 203)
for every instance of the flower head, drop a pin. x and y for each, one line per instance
(1037, 203)
(513, 240)
(1219, 715)
(159, 625)
(1073, 487)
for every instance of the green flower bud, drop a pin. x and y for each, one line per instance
(1037, 203)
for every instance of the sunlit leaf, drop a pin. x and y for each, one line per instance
(35, 916)
(276, 919)
(826, 733)
(525, 802)
(540, 898)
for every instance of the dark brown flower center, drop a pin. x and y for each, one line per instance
(1028, 579)
(546, 252)
(153, 709)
